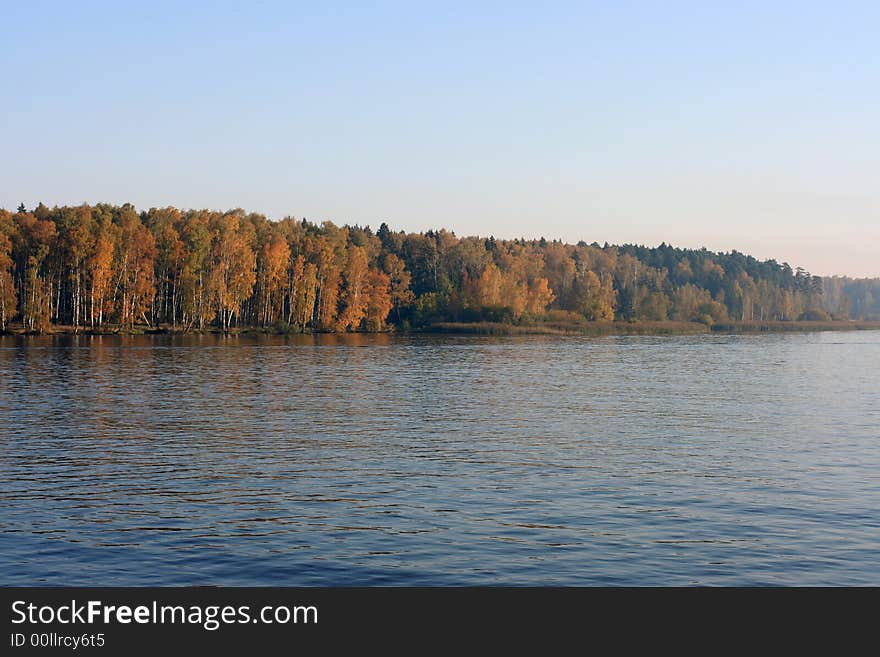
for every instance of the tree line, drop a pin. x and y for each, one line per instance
(852, 298)
(90, 266)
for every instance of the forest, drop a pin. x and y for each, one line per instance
(107, 267)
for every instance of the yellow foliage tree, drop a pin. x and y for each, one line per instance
(274, 258)
(8, 298)
(379, 300)
(540, 296)
(99, 270)
(594, 298)
(233, 274)
(355, 296)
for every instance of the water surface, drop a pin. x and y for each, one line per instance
(377, 460)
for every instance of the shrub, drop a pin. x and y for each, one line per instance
(815, 315)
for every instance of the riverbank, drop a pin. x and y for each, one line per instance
(760, 327)
(150, 330)
(645, 327)
(668, 327)
(569, 328)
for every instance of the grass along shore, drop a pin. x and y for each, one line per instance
(668, 327)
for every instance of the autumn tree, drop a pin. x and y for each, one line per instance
(487, 289)
(328, 279)
(539, 296)
(36, 237)
(197, 309)
(592, 297)
(379, 300)
(170, 259)
(233, 271)
(687, 300)
(560, 271)
(8, 297)
(75, 228)
(272, 266)
(135, 260)
(304, 286)
(399, 280)
(655, 306)
(355, 296)
(99, 270)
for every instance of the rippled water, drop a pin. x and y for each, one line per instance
(440, 460)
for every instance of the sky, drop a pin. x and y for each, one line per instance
(752, 126)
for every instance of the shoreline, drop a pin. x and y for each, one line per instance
(586, 328)
(650, 328)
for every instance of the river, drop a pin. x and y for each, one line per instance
(440, 460)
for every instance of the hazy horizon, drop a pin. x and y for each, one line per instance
(750, 128)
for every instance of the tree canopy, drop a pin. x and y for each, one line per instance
(94, 265)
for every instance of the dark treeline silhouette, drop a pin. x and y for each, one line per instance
(106, 265)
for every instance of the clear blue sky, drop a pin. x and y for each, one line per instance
(748, 126)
